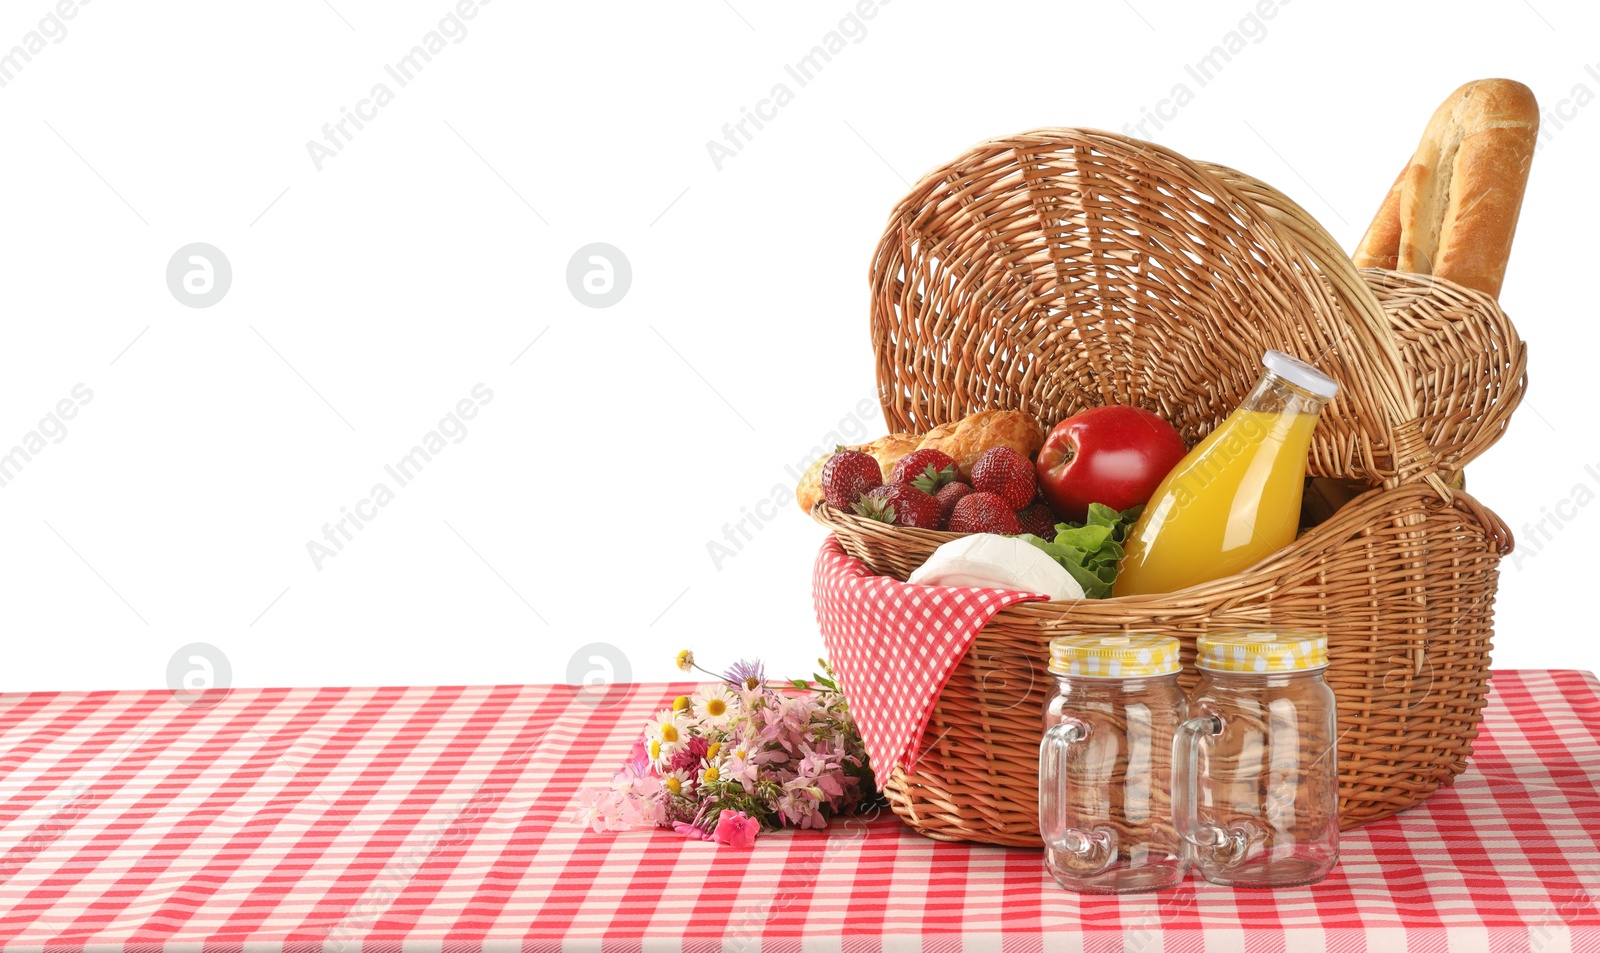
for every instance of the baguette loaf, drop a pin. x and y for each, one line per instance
(1462, 193)
(1380, 246)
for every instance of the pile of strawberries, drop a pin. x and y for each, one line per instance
(926, 490)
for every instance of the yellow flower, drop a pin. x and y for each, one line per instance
(685, 660)
(669, 732)
(716, 707)
(714, 750)
(655, 751)
(709, 775)
(674, 785)
(681, 703)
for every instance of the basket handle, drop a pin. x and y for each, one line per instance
(1413, 459)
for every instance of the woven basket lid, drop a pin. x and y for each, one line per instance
(1063, 268)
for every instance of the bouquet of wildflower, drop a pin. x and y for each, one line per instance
(739, 756)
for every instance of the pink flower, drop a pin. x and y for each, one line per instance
(638, 759)
(598, 809)
(737, 765)
(690, 831)
(690, 755)
(787, 755)
(798, 805)
(736, 829)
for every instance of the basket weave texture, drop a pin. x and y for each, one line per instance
(1066, 268)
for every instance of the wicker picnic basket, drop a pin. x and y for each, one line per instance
(1066, 268)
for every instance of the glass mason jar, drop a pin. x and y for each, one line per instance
(1105, 808)
(1256, 766)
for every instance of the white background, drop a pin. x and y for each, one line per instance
(370, 296)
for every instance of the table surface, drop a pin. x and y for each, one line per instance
(431, 819)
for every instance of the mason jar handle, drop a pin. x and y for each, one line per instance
(1097, 848)
(1223, 846)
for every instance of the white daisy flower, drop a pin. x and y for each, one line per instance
(713, 705)
(679, 783)
(666, 735)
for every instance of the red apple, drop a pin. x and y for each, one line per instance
(1115, 456)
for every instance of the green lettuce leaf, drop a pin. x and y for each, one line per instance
(1092, 550)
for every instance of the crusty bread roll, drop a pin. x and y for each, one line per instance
(1462, 192)
(967, 439)
(888, 450)
(1380, 246)
(808, 493)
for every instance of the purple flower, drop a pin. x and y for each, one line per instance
(742, 673)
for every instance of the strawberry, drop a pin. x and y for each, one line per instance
(947, 497)
(847, 475)
(1007, 474)
(901, 504)
(983, 512)
(927, 470)
(1038, 519)
(873, 506)
(931, 481)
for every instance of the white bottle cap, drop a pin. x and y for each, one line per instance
(1300, 374)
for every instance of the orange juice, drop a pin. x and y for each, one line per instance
(1235, 499)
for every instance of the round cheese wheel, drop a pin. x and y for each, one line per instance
(990, 561)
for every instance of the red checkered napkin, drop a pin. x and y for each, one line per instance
(893, 646)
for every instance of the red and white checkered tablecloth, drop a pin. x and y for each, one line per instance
(424, 819)
(894, 645)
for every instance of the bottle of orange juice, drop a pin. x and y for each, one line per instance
(1235, 499)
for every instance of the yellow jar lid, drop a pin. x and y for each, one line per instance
(1263, 652)
(1114, 656)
